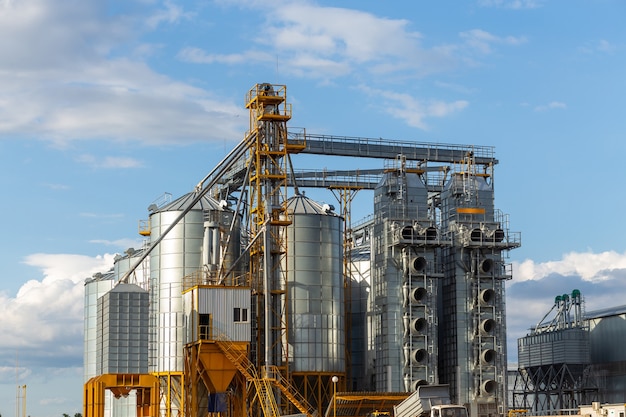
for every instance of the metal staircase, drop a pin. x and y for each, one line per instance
(263, 384)
(289, 391)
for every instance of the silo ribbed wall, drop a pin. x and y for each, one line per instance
(316, 291)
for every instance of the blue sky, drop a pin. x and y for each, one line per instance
(104, 106)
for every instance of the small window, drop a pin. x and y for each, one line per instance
(204, 326)
(240, 315)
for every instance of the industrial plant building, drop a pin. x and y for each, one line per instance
(250, 298)
(571, 359)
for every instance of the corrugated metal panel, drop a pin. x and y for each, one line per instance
(220, 303)
(314, 265)
(94, 289)
(570, 346)
(607, 338)
(178, 254)
(181, 203)
(123, 331)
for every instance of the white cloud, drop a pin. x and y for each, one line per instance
(550, 106)
(123, 244)
(171, 13)
(414, 111)
(58, 187)
(109, 162)
(602, 46)
(44, 319)
(512, 4)
(67, 85)
(199, 56)
(328, 42)
(593, 267)
(483, 41)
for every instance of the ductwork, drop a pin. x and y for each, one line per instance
(418, 265)
(488, 388)
(487, 326)
(418, 326)
(419, 356)
(487, 297)
(487, 357)
(418, 295)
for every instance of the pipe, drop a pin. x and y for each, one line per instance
(215, 174)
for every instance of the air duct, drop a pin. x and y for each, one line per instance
(487, 326)
(486, 266)
(407, 232)
(418, 383)
(418, 326)
(418, 265)
(487, 357)
(431, 233)
(488, 388)
(486, 297)
(418, 295)
(476, 235)
(419, 356)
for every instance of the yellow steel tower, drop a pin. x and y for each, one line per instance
(269, 113)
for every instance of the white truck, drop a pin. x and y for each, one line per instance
(429, 401)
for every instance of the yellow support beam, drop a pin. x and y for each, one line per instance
(145, 385)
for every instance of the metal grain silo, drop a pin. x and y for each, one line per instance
(95, 288)
(124, 262)
(180, 253)
(315, 280)
(122, 331)
(315, 310)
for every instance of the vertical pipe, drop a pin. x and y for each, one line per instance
(215, 244)
(24, 402)
(266, 288)
(206, 245)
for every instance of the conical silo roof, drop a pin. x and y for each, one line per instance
(300, 204)
(182, 203)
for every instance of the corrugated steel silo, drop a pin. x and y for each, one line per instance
(125, 261)
(122, 341)
(315, 311)
(95, 288)
(180, 253)
(316, 289)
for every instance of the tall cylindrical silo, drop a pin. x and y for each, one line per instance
(95, 288)
(180, 253)
(316, 289)
(315, 294)
(126, 261)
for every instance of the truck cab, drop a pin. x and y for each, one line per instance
(448, 411)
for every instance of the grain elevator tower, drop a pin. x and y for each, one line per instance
(472, 350)
(404, 286)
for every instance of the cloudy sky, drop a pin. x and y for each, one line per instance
(105, 106)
